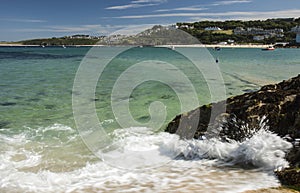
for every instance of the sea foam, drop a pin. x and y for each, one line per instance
(264, 150)
(208, 165)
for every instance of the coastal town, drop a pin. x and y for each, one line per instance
(286, 31)
(278, 32)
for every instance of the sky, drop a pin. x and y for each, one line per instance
(28, 19)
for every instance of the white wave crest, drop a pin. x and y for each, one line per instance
(264, 150)
(203, 167)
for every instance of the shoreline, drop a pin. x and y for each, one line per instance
(215, 45)
(167, 46)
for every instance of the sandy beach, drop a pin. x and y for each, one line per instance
(217, 45)
(179, 46)
(14, 45)
(272, 190)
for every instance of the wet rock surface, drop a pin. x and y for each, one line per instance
(289, 177)
(279, 103)
(239, 117)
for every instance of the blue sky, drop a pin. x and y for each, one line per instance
(26, 19)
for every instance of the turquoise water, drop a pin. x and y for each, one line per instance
(246, 66)
(36, 115)
(36, 83)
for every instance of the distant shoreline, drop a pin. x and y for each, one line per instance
(215, 45)
(167, 46)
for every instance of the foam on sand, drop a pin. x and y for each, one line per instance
(201, 165)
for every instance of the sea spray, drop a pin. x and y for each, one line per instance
(264, 150)
(203, 167)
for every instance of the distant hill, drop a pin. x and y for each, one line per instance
(157, 35)
(60, 41)
(208, 32)
(262, 30)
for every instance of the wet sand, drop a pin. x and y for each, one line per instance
(273, 190)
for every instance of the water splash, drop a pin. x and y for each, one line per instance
(264, 150)
(209, 165)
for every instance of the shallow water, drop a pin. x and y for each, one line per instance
(42, 151)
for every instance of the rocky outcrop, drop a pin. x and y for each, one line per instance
(237, 117)
(289, 177)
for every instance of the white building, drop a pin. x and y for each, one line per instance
(258, 38)
(185, 26)
(259, 32)
(297, 30)
(230, 41)
(222, 43)
(239, 31)
(212, 29)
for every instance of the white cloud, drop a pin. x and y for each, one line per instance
(224, 15)
(137, 4)
(149, 1)
(120, 7)
(230, 2)
(132, 29)
(67, 29)
(80, 28)
(93, 29)
(190, 8)
(201, 8)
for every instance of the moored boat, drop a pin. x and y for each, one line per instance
(217, 48)
(269, 48)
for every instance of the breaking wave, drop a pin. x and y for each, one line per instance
(29, 163)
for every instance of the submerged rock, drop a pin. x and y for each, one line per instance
(3, 124)
(239, 117)
(8, 104)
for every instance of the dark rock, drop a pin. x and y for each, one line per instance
(18, 97)
(3, 124)
(279, 103)
(290, 177)
(166, 96)
(49, 107)
(8, 104)
(144, 118)
(94, 99)
(41, 93)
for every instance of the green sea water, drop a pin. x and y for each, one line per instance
(36, 83)
(36, 87)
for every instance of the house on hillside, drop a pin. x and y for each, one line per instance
(212, 29)
(258, 38)
(259, 32)
(184, 27)
(297, 31)
(239, 31)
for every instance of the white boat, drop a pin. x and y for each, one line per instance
(269, 48)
